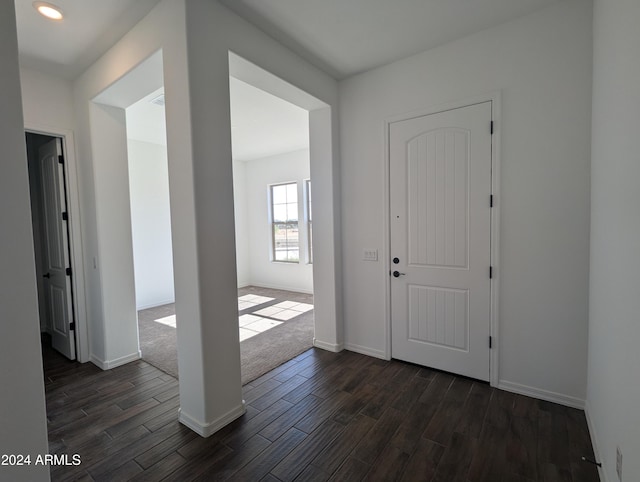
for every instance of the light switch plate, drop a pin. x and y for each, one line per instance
(370, 255)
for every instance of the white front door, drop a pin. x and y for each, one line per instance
(57, 282)
(440, 187)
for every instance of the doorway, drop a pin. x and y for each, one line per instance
(148, 170)
(273, 219)
(52, 247)
(441, 232)
(272, 207)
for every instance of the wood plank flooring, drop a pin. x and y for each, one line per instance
(321, 416)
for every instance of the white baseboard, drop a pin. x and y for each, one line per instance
(109, 364)
(295, 289)
(98, 362)
(206, 429)
(154, 305)
(328, 346)
(549, 396)
(594, 442)
(365, 351)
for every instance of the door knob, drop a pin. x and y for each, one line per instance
(397, 274)
(48, 275)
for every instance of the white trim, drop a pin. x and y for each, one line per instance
(155, 305)
(272, 221)
(308, 222)
(541, 394)
(280, 287)
(594, 442)
(109, 364)
(206, 429)
(334, 347)
(98, 362)
(75, 230)
(386, 240)
(366, 351)
(494, 353)
(495, 99)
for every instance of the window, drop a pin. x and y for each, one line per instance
(284, 222)
(307, 200)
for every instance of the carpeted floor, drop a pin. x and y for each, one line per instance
(259, 353)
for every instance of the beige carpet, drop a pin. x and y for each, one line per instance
(258, 354)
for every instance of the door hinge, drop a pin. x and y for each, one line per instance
(68, 271)
(65, 216)
(490, 341)
(72, 326)
(491, 200)
(61, 159)
(491, 127)
(490, 272)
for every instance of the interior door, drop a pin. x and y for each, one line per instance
(57, 282)
(440, 187)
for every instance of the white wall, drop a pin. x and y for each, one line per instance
(241, 223)
(150, 223)
(260, 173)
(47, 101)
(613, 395)
(23, 423)
(542, 65)
(117, 336)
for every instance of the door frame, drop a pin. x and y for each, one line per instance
(75, 233)
(495, 99)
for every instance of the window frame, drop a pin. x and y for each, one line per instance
(308, 219)
(273, 222)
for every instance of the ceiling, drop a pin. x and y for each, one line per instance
(146, 121)
(262, 125)
(342, 37)
(68, 47)
(345, 37)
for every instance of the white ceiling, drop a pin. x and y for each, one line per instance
(344, 37)
(146, 121)
(89, 28)
(262, 125)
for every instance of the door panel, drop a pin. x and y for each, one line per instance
(440, 183)
(439, 316)
(57, 283)
(438, 198)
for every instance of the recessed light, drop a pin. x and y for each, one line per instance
(48, 10)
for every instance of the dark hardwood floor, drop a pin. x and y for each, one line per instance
(321, 416)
